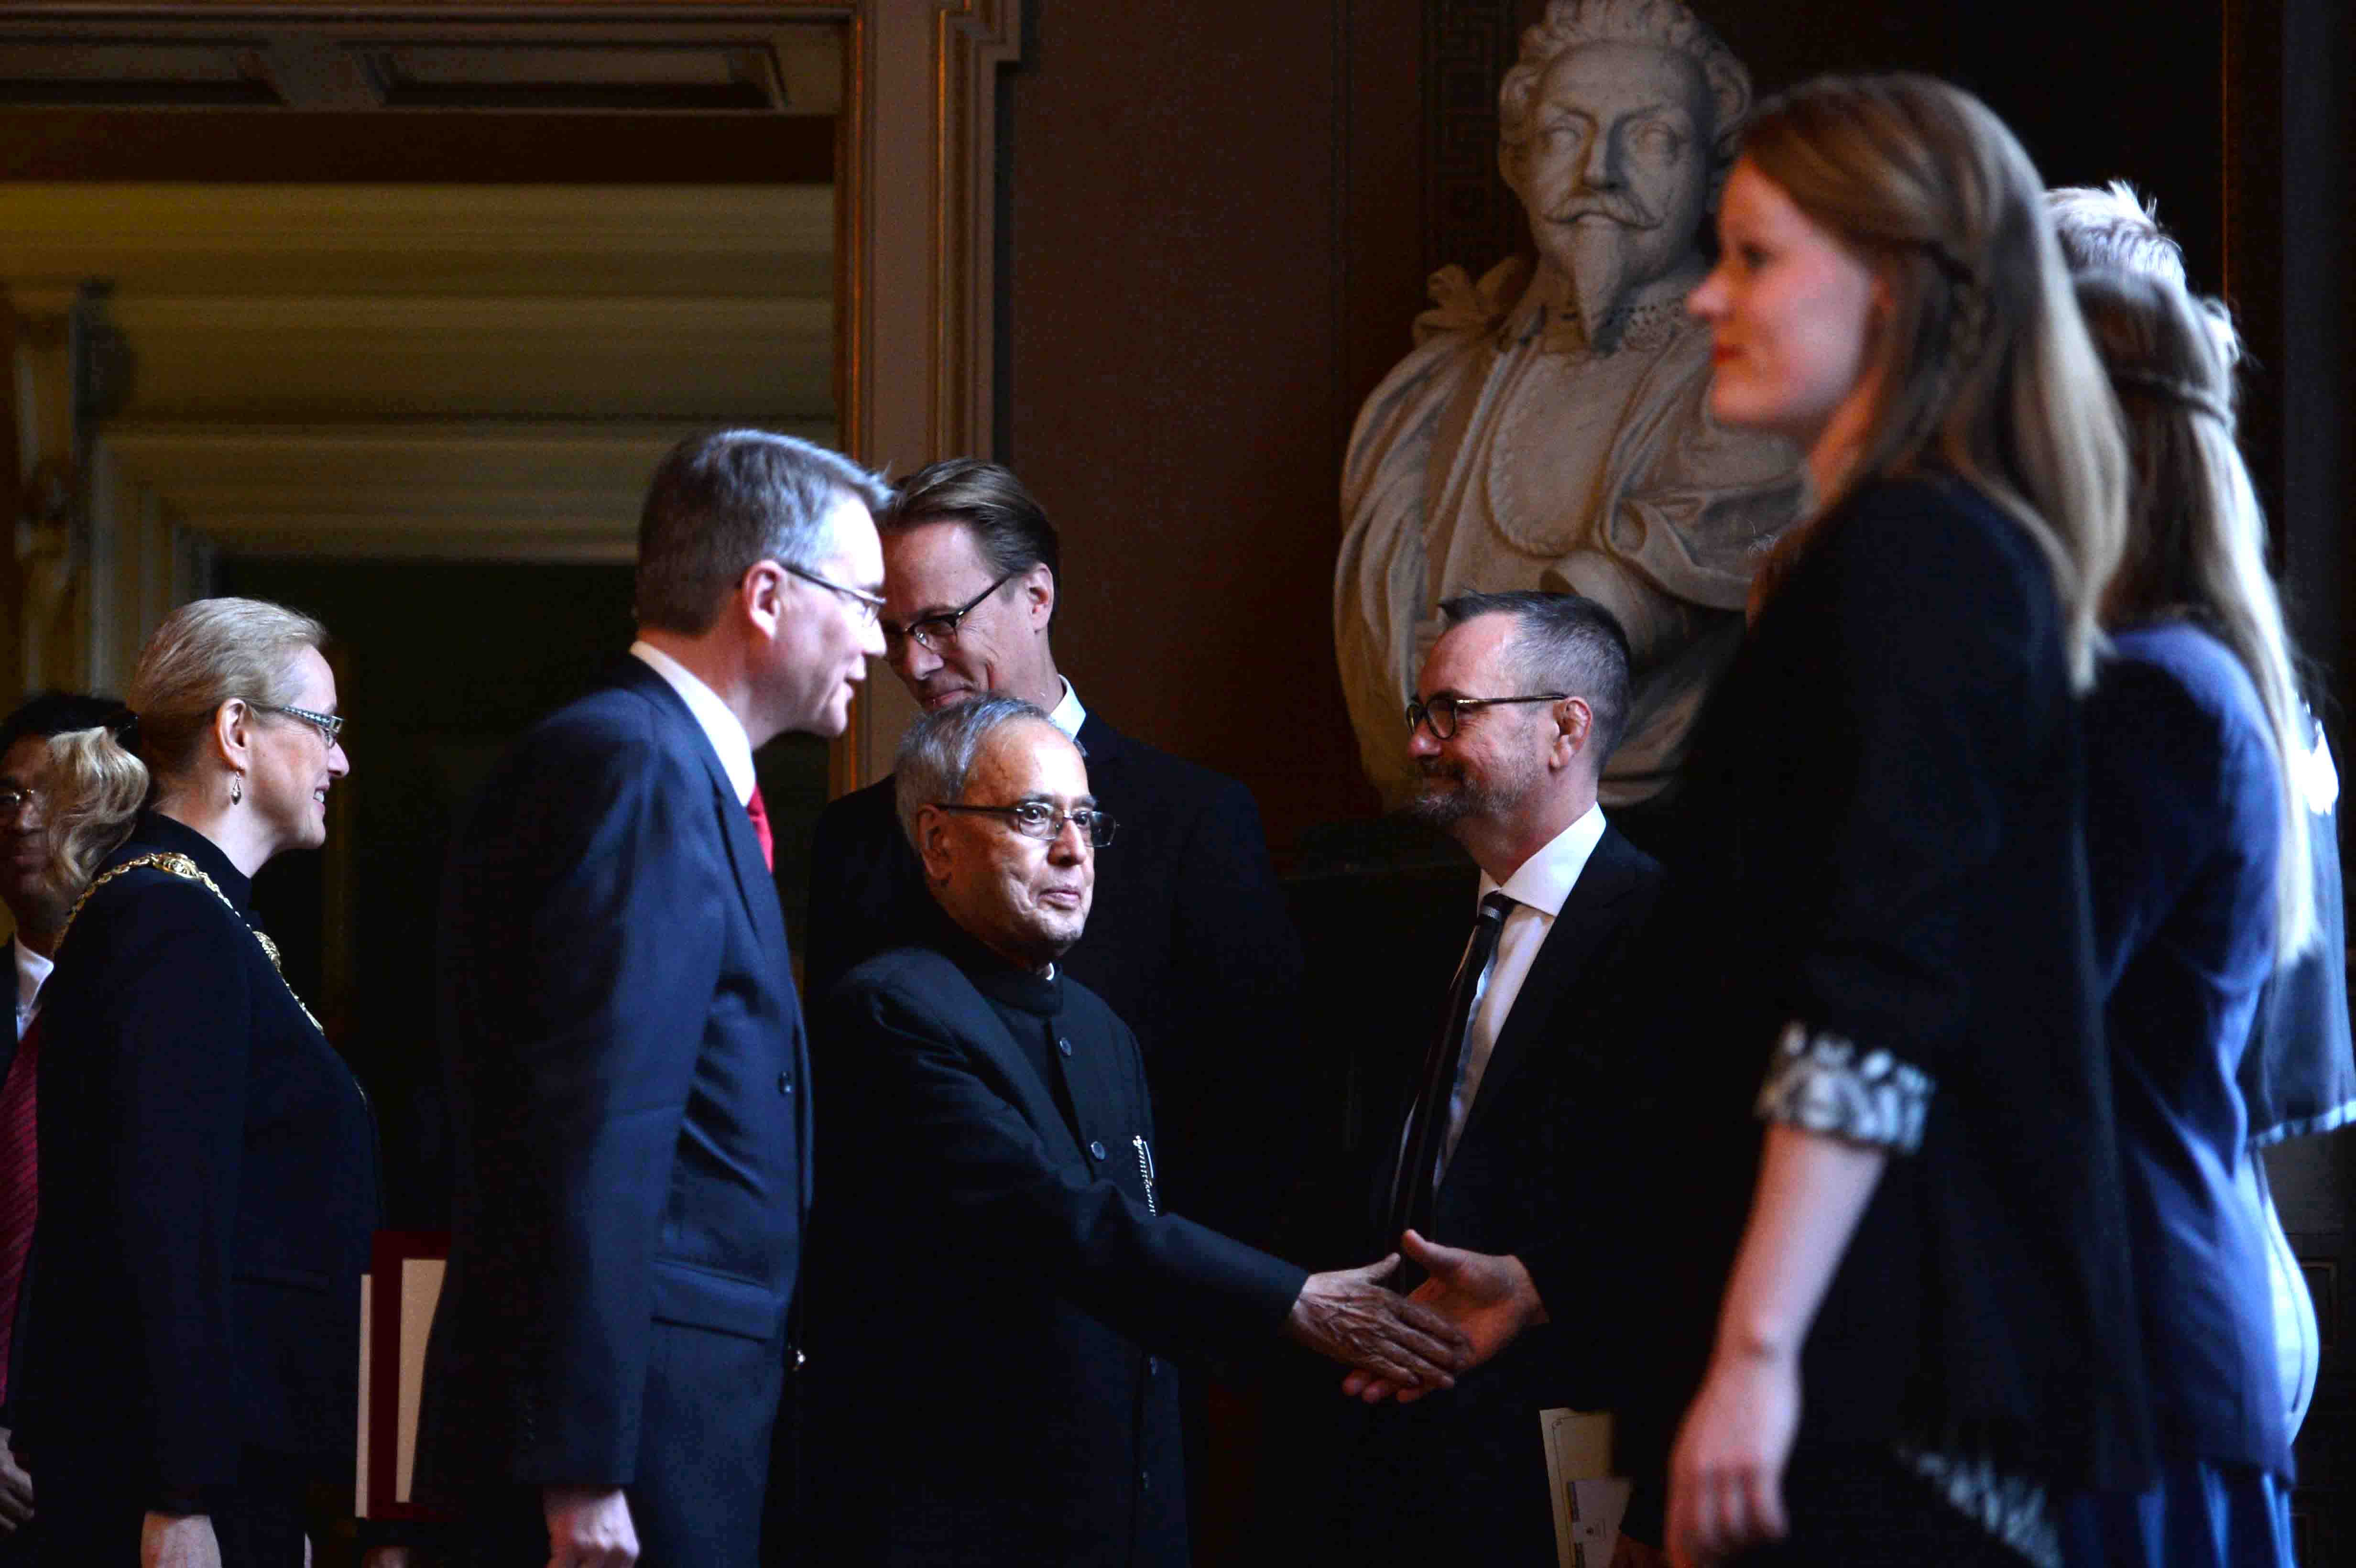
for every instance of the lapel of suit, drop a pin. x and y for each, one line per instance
(1588, 919)
(1101, 746)
(754, 882)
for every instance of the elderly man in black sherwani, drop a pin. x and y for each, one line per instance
(995, 1283)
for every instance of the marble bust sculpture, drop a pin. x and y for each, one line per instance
(1549, 431)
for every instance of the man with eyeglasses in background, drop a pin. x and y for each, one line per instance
(1191, 942)
(38, 909)
(1514, 1163)
(998, 1273)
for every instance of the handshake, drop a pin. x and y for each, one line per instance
(1470, 1307)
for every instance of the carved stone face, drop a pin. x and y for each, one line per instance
(1615, 175)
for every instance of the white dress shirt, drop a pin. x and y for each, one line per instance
(1539, 887)
(1069, 715)
(721, 727)
(31, 970)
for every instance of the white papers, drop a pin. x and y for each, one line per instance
(1589, 1500)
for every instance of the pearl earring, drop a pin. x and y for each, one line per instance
(237, 789)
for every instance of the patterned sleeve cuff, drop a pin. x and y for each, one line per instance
(1823, 1084)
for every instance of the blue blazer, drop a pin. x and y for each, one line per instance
(2182, 814)
(628, 1087)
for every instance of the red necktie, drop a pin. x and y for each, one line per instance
(19, 1189)
(759, 813)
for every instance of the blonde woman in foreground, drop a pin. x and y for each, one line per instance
(1927, 1334)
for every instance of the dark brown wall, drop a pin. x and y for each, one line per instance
(1213, 251)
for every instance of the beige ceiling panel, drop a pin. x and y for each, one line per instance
(319, 357)
(184, 240)
(350, 489)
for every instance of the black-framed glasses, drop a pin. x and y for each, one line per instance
(14, 800)
(330, 726)
(930, 632)
(1444, 712)
(1037, 819)
(870, 606)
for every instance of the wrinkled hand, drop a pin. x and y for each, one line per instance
(1725, 1476)
(16, 1491)
(1348, 1315)
(178, 1540)
(1490, 1299)
(589, 1527)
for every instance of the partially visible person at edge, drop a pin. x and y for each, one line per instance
(2203, 887)
(1928, 1333)
(38, 909)
(2297, 1077)
(207, 1180)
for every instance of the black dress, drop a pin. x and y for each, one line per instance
(1890, 877)
(208, 1192)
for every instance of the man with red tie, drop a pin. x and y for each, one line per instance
(627, 1068)
(38, 909)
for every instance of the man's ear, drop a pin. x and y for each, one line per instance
(759, 598)
(1574, 727)
(932, 843)
(1038, 589)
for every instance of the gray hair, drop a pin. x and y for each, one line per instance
(2113, 226)
(1667, 24)
(936, 756)
(1562, 642)
(718, 503)
(2114, 229)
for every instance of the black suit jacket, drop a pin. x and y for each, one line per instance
(1549, 1155)
(997, 1291)
(207, 1193)
(1189, 942)
(628, 1088)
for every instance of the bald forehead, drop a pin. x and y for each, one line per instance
(1028, 758)
(1471, 655)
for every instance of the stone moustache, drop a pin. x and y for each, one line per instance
(1549, 431)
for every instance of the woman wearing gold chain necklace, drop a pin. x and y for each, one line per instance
(208, 1179)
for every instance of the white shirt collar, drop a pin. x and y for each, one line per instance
(721, 728)
(1544, 881)
(31, 970)
(1069, 715)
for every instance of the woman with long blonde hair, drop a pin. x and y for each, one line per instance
(2197, 842)
(1927, 1331)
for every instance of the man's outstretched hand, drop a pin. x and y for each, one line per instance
(1489, 1299)
(1348, 1315)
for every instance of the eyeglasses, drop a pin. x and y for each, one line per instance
(1443, 713)
(330, 726)
(1037, 819)
(14, 800)
(930, 632)
(869, 605)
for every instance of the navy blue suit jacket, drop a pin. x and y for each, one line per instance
(628, 1084)
(2183, 817)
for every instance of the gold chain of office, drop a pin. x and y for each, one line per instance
(180, 866)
